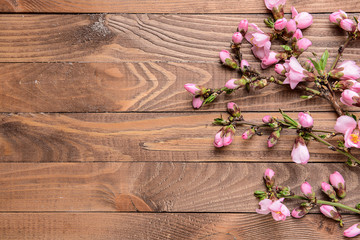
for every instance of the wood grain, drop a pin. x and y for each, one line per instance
(141, 37)
(166, 226)
(143, 137)
(108, 87)
(166, 6)
(157, 187)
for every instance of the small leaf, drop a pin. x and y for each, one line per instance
(306, 97)
(323, 60)
(286, 48)
(354, 117)
(356, 20)
(316, 65)
(210, 99)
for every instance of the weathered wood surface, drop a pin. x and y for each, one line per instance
(108, 87)
(167, 6)
(141, 37)
(166, 226)
(144, 137)
(156, 187)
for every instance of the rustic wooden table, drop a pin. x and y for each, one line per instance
(98, 139)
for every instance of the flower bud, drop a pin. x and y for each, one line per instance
(269, 178)
(336, 17)
(352, 231)
(269, 60)
(305, 120)
(197, 101)
(351, 85)
(236, 83)
(300, 211)
(328, 190)
(244, 64)
(338, 182)
(229, 134)
(248, 133)
(300, 153)
(306, 189)
(259, 84)
(227, 60)
(309, 66)
(349, 97)
(237, 38)
(280, 69)
(291, 26)
(273, 138)
(303, 44)
(330, 212)
(267, 119)
(192, 88)
(294, 12)
(233, 109)
(243, 26)
(218, 140)
(348, 25)
(347, 70)
(303, 20)
(280, 24)
(298, 34)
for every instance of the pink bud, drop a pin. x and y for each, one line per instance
(197, 101)
(349, 97)
(291, 26)
(298, 34)
(229, 134)
(338, 182)
(267, 119)
(352, 231)
(294, 12)
(269, 174)
(328, 190)
(237, 38)
(300, 211)
(248, 133)
(233, 109)
(270, 4)
(280, 24)
(244, 63)
(243, 26)
(269, 60)
(336, 17)
(303, 20)
(347, 70)
(305, 120)
(351, 85)
(192, 88)
(280, 69)
(303, 44)
(348, 25)
(306, 189)
(218, 141)
(224, 55)
(330, 212)
(300, 153)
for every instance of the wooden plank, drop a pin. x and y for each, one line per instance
(156, 187)
(141, 37)
(108, 87)
(166, 226)
(143, 137)
(166, 6)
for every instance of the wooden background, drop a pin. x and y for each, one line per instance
(98, 139)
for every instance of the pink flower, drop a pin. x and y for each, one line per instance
(328, 190)
(224, 136)
(352, 231)
(218, 141)
(351, 85)
(330, 212)
(243, 26)
(305, 120)
(303, 44)
(270, 4)
(192, 88)
(347, 70)
(306, 189)
(261, 52)
(243, 64)
(298, 34)
(338, 182)
(269, 178)
(349, 97)
(336, 17)
(300, 153)
(347, 126)
(197, 101)
(280, 69)
(269, 60)
(280, 24)
(267, 119)
(295, 72)
(291, 26)
(264, 206)
(303, 19)
(294, 12)
(348, 25)
(224, 54)
(279, 211)
(256, 36)
(237, 38)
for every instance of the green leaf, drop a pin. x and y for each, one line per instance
(356, 20)
(289, 119)
(286, 48)
(210, 99)
(341, 144)
(316, 65)
(323, 60)
(354, 117)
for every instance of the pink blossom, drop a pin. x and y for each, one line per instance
(348, 25)
(244, 63)
(243, 26)
(267, 119)
(347, 70)
(197, 101)
(228, 137)
(270, 4)
(336, 17)
(224, 54)
(298, 34)
(348, 126)
(294, 12)
(338, 182)
(306, 189)
(280, 24)
(269, 173)
(303, 19)
(280, 69)
(269, 60)
(295, 72)
(330, 212)
(279, 211)
(264, 206)
(291, 26)
(349, 97)
(224, 136)
(351, 85)
(303, 44)
(300, 153)
(352, 231)
(305, 120)
(237, 38)
(256, 36)
(218, 141)
(192, 88)
(261, 52)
